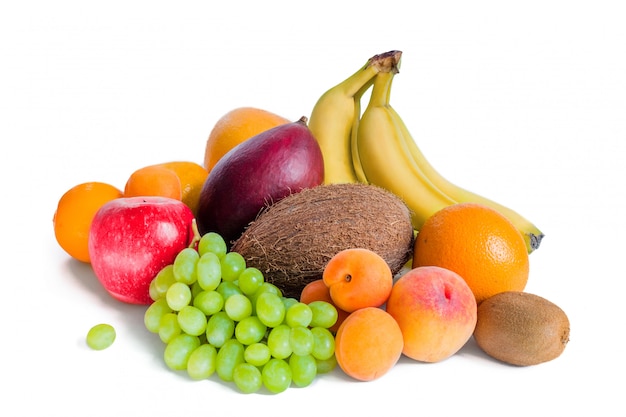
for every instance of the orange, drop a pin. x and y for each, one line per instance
(235, 127)
(192, 177)
(358, 278)
(368, 344)
(74, 213)
(479, 244)
(153, 181)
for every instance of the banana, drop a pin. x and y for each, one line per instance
(333, 115)
(532, 234)
(386, 160)
(356, 160)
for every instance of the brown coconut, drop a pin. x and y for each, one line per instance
(292, 240)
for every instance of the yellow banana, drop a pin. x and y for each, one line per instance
(386, 160)
(332, 119)
(532, 234)
(356, 160)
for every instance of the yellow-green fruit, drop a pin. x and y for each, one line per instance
(521, 329)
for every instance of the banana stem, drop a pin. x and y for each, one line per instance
(381, 92)
(385, 62)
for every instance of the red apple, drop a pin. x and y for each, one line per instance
(436, 311)
(131, 239)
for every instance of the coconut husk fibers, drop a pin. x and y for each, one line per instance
(292, 239)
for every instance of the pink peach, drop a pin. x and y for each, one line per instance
(436, 311)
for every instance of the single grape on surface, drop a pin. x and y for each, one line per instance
(100, 336)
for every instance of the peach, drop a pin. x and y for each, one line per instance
(436, 311)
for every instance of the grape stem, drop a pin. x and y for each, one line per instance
(196, 234)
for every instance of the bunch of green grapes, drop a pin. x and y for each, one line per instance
(218, 316)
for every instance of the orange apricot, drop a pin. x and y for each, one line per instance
(358, 278)
(316, 290)
(368, 344)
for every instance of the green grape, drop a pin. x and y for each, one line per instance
(169, 327)
(227, 288)
(301, 340)
(276, 375)
(195, 290)
(185, 266)
(324, 314)
(257, 354)
(100, 336)
(326, 365)
(153, 293)
(233, 264)
(192, 320)
(153, 314)
(178, 351)
(250, 280)
(270, 309)
(209, 302)
(219, 329)
(163, 279)
(201, 363)
(303, 369)
(278, 341)
(212, 242)
(299, 314)
(323, 343)
(250, 330)
(247, 378)
(209, 271)
(238, 307)
(178, 296)
(269, 287)
(228, 356)
(289, 301)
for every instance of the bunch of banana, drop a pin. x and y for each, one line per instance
(390, 158)
(377, 148)
(336, 114)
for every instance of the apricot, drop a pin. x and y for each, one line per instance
(368, 344)
(358, 278)
(436, 311)
(316, 290)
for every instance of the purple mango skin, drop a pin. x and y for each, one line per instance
(255, 173)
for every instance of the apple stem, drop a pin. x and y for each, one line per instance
(196, 234)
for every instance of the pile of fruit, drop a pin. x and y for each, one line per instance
(301, 245)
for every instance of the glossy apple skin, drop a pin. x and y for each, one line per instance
(436, 311)
(131, 239)
(258, 171)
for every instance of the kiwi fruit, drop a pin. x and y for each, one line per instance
(521, 328)
(292, 240)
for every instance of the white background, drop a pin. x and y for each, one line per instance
(524, 102)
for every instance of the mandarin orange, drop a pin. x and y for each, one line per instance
(74, 213)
